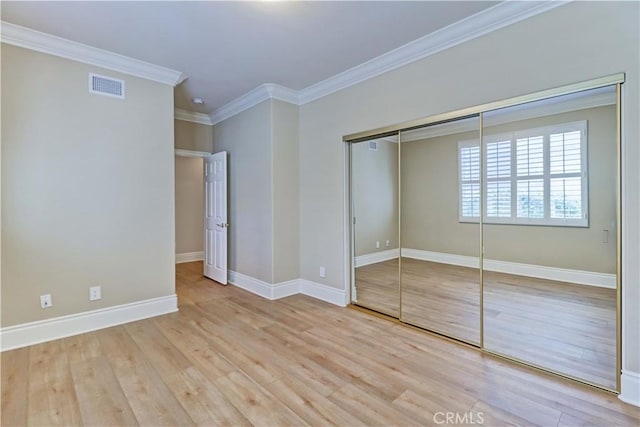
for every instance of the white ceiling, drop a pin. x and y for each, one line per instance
(228, 48)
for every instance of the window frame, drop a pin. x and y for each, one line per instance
(513, 219)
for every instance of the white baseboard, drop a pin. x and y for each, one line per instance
(442, 258)
(65, 326)
(325, 293)
(288, 288)
(630, 387)
(189, 257)
(376, 257)
(285, 289)
(250, 284)
(581, 277)
(262, 288)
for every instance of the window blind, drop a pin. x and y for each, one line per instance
(531, 176)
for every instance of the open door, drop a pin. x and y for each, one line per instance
(215, 217)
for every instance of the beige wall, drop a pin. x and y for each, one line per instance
(286, 199)
(503, 64)
(189, 184)
(430, 197)
(193, 136)
(87, 188)
(247, 138)
(189, 204)
(375, 196)
(263, 190)
(430, 202)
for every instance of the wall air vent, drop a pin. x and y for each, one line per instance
(108, 86)
(373, 145)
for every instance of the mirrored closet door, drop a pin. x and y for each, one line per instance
(440, 203)
(375, 216)
(550, 234)
(499, 226)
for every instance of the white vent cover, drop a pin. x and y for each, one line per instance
(108, 86)
(373, 145)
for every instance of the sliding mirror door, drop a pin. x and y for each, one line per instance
(550, 234)
(374, 198)
(440, 205)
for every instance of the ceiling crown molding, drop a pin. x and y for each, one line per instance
(494, 18)
(254, 97)
(190, 116)
(499, 16)
(35, 40)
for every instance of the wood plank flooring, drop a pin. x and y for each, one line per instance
(232, 358)
(561, 326)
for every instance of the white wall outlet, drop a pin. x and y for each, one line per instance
(45, 301)
(377, 244)
(322, 271)
(95, 293)
(387, 243)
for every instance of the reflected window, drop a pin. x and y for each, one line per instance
(532, 176)
(469, 156)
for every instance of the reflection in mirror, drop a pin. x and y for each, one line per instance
(374, 178)
(550, 250)
(440, 245)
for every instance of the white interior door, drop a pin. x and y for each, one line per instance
(215, 217)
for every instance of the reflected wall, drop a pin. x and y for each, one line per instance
(375, 188)
(440, 176)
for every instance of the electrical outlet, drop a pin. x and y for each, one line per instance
(94, 293)
(322, 271)
(387, 243)
(377, 244)
(45, 301)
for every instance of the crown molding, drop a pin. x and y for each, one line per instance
(282, 93)
(254, 97)
(190, 116)
(46, 43)
(494, 18)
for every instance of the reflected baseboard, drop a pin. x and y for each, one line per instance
(590, 278)
(376, 257)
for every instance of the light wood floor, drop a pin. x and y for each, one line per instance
(231, 358)
(561, 326)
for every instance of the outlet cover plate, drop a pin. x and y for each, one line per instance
(45, 301)
(94, 293)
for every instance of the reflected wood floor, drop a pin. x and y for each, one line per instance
(562, 326)
(231, 358)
